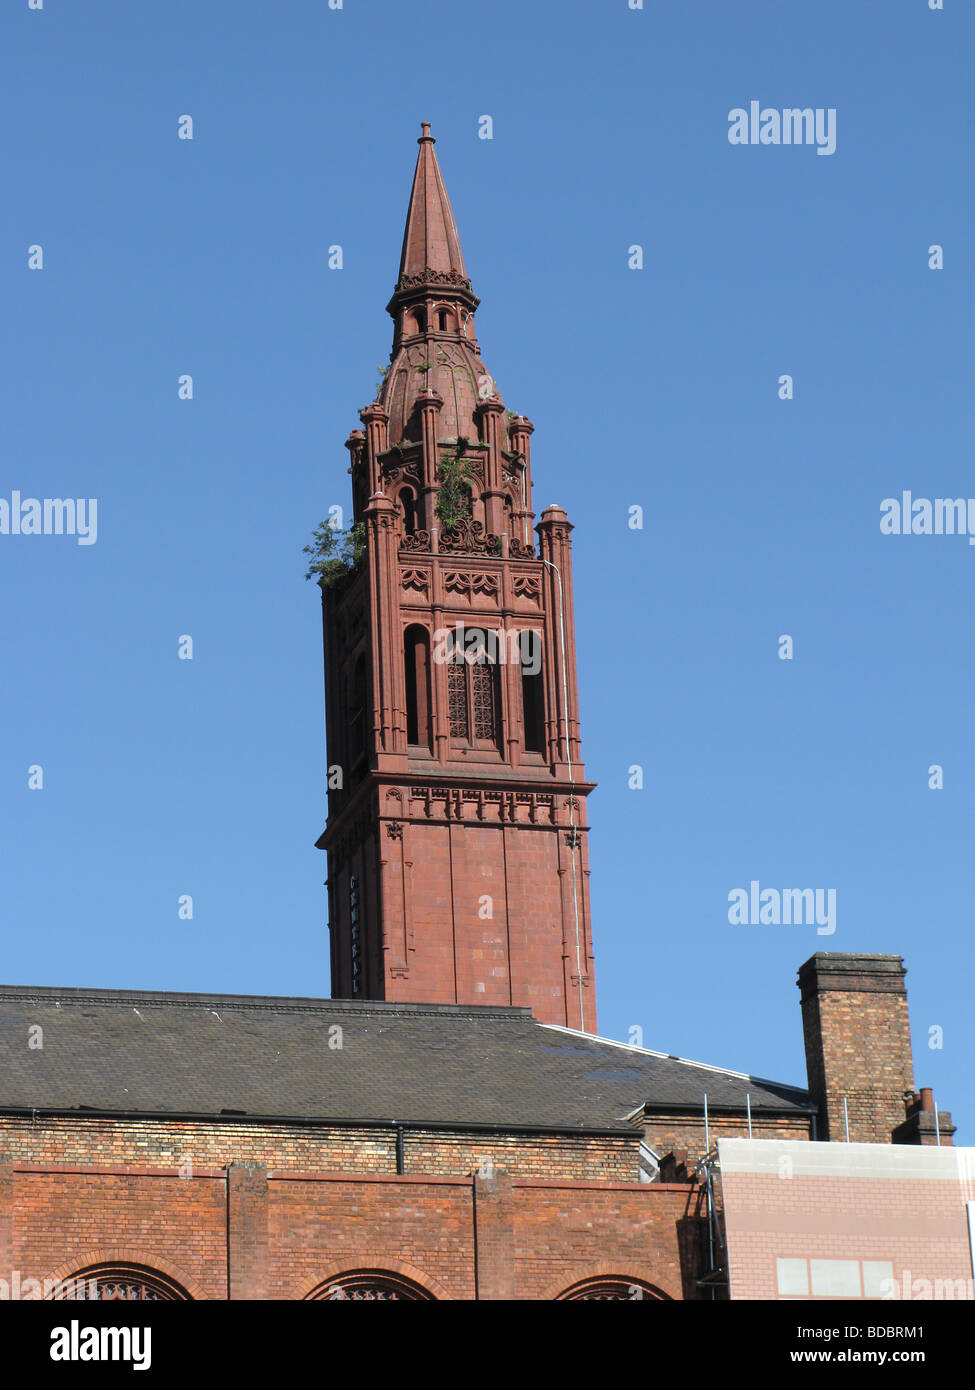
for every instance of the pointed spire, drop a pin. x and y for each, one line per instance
(435, 347)
(431, 253)
(430, 240)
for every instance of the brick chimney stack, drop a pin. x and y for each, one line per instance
(924, 1125)
(858, 1044)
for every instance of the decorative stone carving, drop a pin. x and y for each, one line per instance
(408, 470)
(418, 541)
(469, 538)
(429, 276)
(448, 804)
(520, 550)
(416, 579)
(526, 587)
(461, 582)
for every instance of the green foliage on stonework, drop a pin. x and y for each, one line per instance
(334, 554)
(453, 497)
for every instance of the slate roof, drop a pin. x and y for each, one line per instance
(192, 1054)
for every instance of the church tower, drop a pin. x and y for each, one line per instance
(456, 836)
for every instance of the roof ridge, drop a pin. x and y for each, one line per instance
(71, 994)
(672, 1057)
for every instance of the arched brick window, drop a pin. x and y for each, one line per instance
(474, 703)
(406, 501)
(533, 709)
(613, 1288)
(416, 657)
(370, 1286)
(120, 1283)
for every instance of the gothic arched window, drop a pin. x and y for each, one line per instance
(474, 700)
(120, 1283)
(416, 657)
(407, 506)
(360, 496)
(615, 1288)
(533, 710)
(370, 1286)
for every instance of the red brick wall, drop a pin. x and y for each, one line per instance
(539, 931)
(565, 1233)
(319, 1227)
(685, 1133)
(65, 1219)
(290, 1233)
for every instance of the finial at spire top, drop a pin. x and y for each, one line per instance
(425, 127)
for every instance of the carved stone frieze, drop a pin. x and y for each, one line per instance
(525, 586)
(461, 582)
(429, 276)
(465, 804)
(416, 579)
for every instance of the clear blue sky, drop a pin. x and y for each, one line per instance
(655, 387)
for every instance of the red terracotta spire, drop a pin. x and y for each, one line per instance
(430, 241)
(434, 340)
